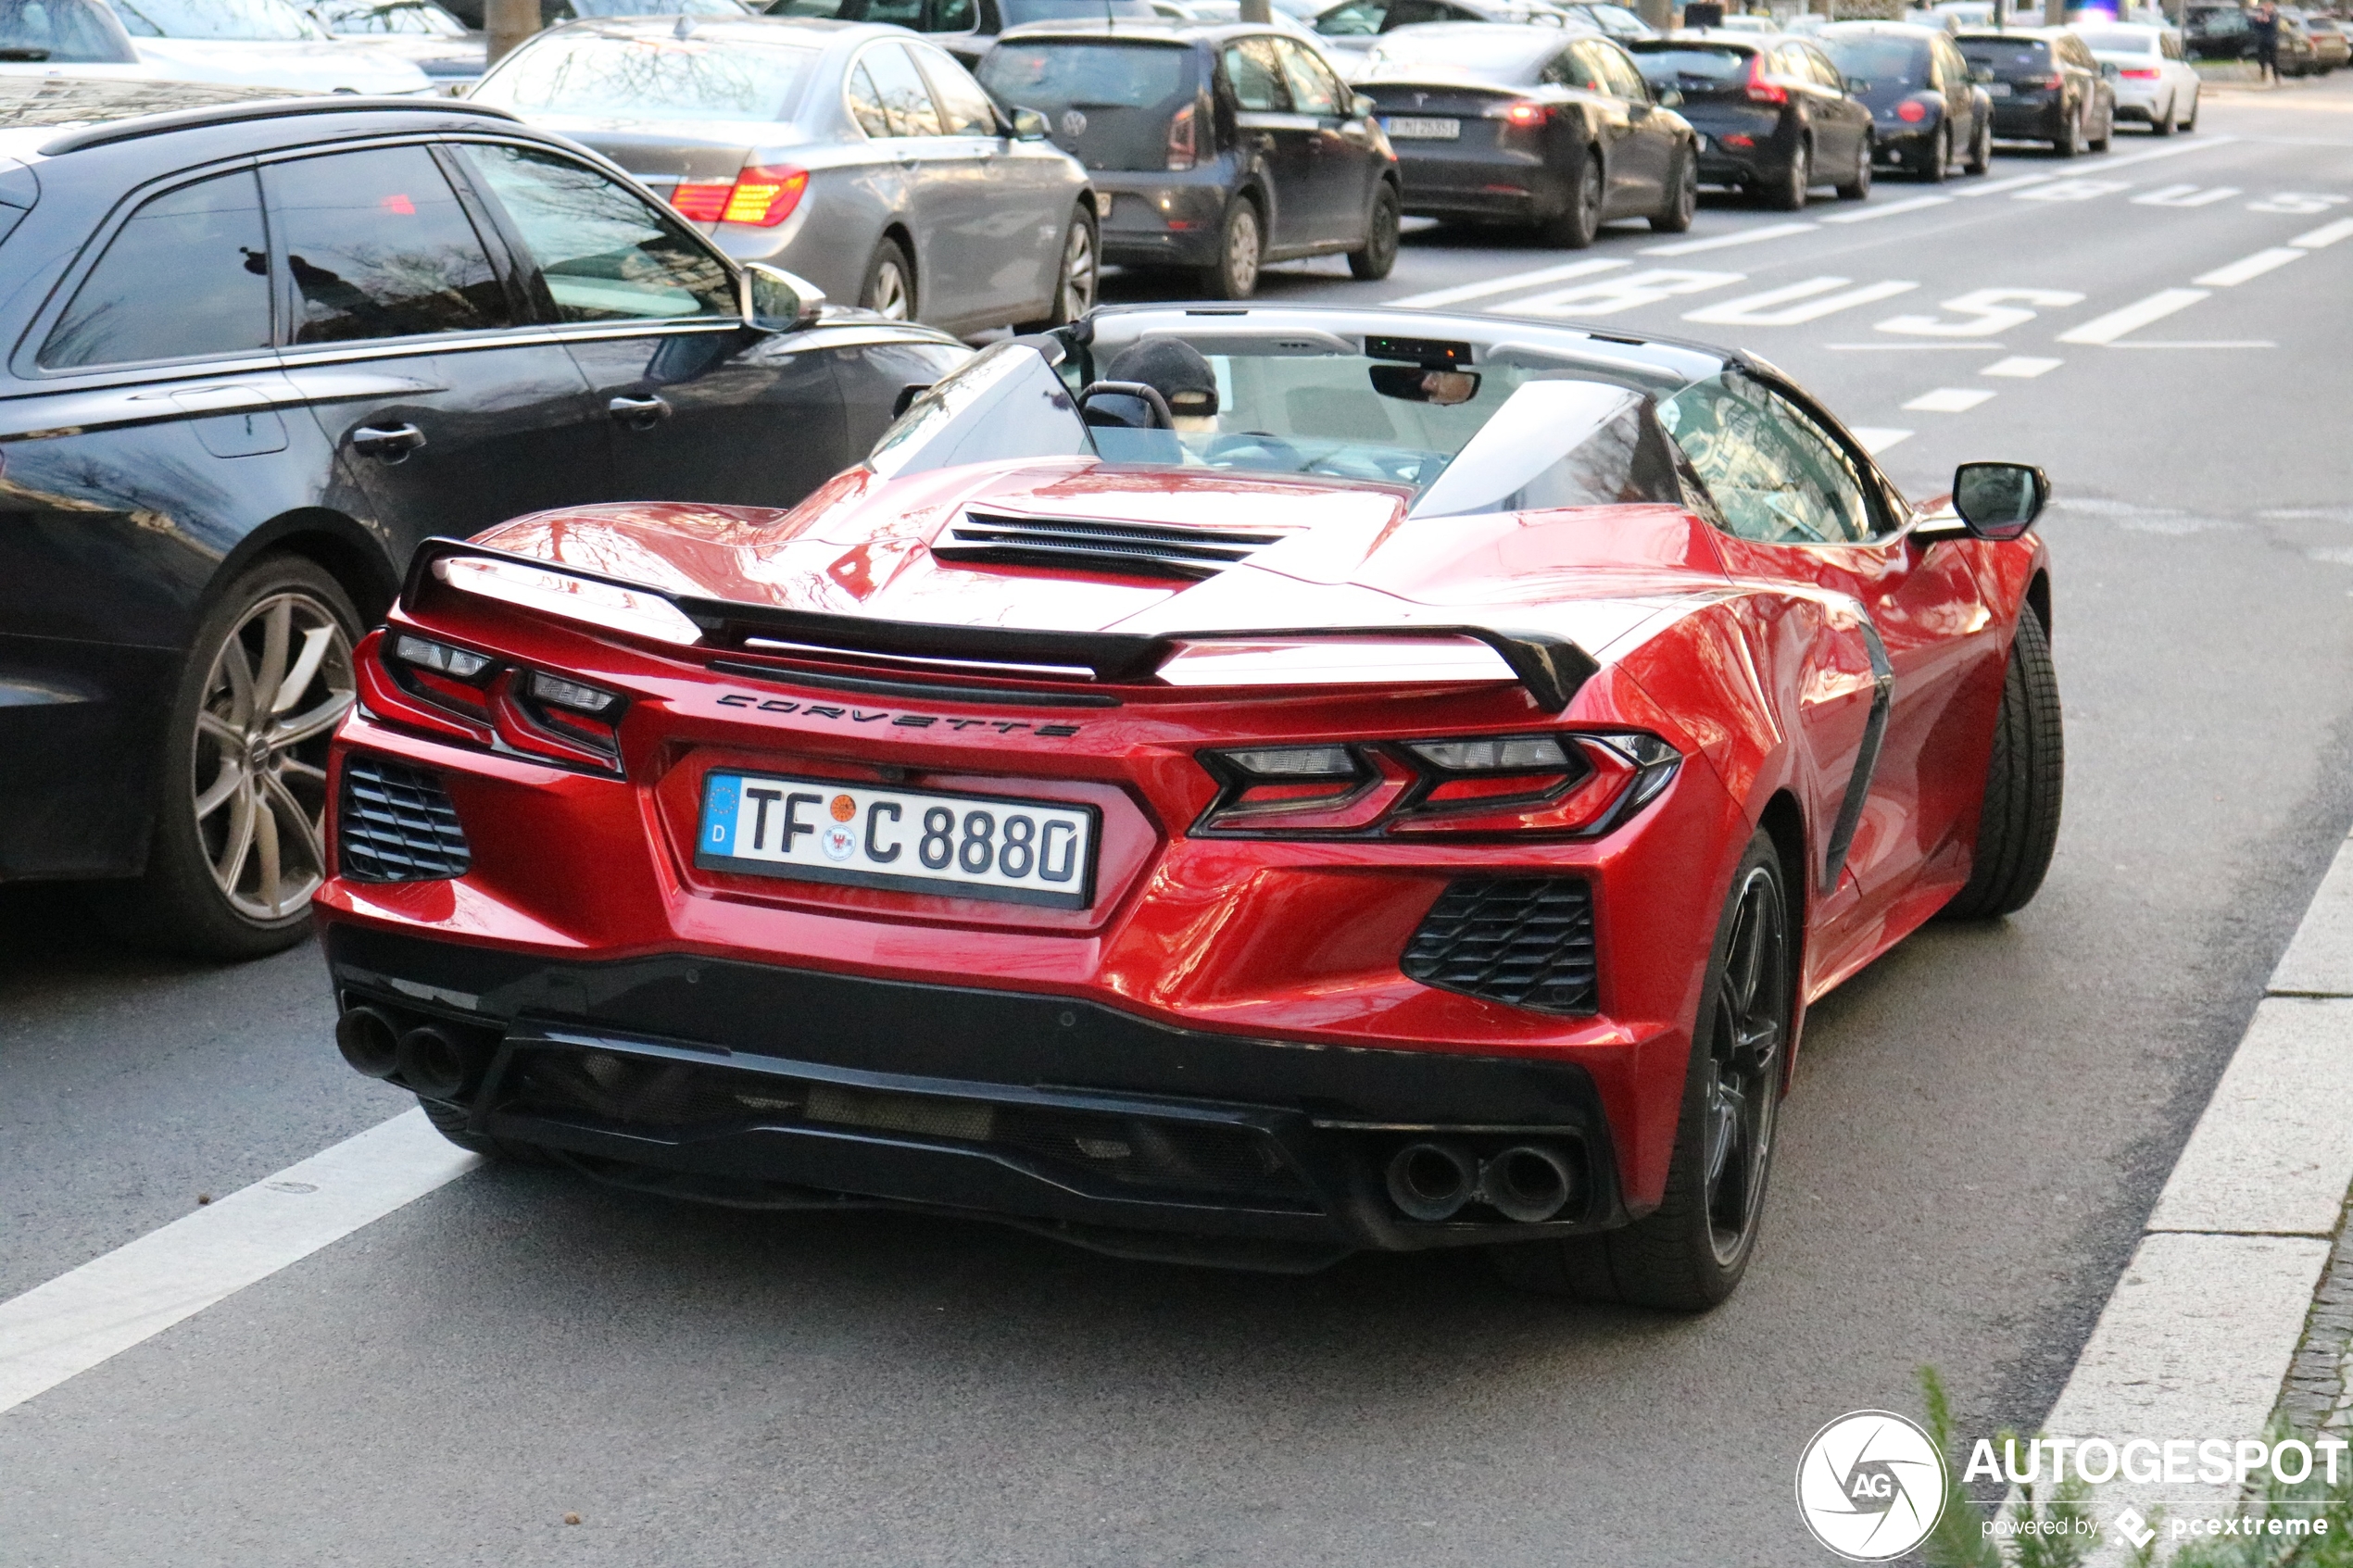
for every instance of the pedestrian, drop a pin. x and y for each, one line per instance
(2264, 22)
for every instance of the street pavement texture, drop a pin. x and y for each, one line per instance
(1979, 1130)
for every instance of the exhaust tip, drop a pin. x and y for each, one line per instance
(370, 1041)
(435, 1064)
(1529, 1182)
(1432, 1181)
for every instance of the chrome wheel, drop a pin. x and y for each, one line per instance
(889, 297)
(1742, 1089)
(278, 685)
(1241, 251)
(1078, 271)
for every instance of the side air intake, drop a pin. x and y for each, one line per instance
(1525, 940)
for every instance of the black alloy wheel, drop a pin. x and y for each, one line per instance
(1789, 192)
(1682, 199)
(1379, 256)
(1690, 1252)
(1578, 223)
(2018, 816)
(1234, 275)
(1939, 162)
(889, 289)
(1077, 274)
(1981, 154)
(1859, 188)
(2071, 136)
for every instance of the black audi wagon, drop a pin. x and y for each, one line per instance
(255, 349)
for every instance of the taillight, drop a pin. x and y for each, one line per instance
(2138, 74)
(1524, 114)
(1760, 90)
(2053, 80)
(1911, 112)
(1183, 150)
(761, 194)
(457, 693)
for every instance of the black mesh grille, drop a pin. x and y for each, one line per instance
(1527, 940)
(397, 825)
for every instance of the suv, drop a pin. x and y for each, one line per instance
(258, 348)
(2046, 86)
(1210, 148)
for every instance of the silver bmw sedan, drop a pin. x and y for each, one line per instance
(857, 156)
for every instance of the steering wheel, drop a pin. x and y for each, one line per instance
(1274, 445)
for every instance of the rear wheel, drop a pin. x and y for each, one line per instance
(1690, 1252)
(890, 283)
(2018, 822)
(1578, 223)
(1981, 154)
(1682, 199)
(2191, 124)
(2070, 137)
(1234, 275)
(2161, 123)
(1074, 285)
(1860, 187)
(1939, 162)
(1374, 262)
(1788, 193)
(2108, 133)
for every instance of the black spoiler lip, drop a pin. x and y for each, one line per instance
(1550, 667)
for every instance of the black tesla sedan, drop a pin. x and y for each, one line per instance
(1773, 114)
(1531, 125)
(2046, 87)
(262, 346)
(1927, 107)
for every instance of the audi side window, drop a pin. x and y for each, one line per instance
(604, 253)
(379, 248)
(1774, 476)
(188, 275)
(1249, 66)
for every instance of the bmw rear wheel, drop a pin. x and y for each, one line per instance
(1379, 255)
(1576, 223)
(890, 283)
(1690, 1252)
(1234, 275)
(1682, 199)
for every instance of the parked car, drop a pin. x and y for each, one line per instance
(2318, 46)
(260, 43)
(1215, 149)
(1927, 108)
(1188, 848)
(1349, 28)
(1531, 125)
(79, 38)
(554, 13)
(2045, 87)
(854, 156)
(2154, 82)
(1773, 114)
(256, 364)
(419, 31)
(1744, 23)
(969, 28)
(2330, 42)
(2217, 32)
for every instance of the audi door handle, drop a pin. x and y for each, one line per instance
(638, 413)
(391, 444)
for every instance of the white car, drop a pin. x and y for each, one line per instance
(2155, 81)
(260, 43)
(67, 38)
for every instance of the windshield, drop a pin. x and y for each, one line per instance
(1019, 11)
(2029, 58)
(245, 21)
(413, 18)
(1086, 75)
(650, 79)
(67, 31)
(1883, 62)
(2121, 39)
(1665, 65)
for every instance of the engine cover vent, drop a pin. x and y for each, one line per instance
(1131, 550)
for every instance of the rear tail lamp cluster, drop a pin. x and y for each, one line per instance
(1570, 782)
(1911, 112)
(1762, 89)
(1526, 113)
(458, 694)
(1184, 139)
(763, 194)
(2139, 74)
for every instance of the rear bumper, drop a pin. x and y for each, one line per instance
(760, 1084)
(1490, 183)
(2031, 121)
(1163, 220)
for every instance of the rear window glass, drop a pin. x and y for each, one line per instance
(664, 77)
(1086, 75)
(1688, 64)
(241, 20)
(1019, 11)
(1883, 62)
(68, 30)
(1505, 50)
(2120, 41)
(2003, 56)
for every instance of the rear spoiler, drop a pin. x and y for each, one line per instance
(1550, 667)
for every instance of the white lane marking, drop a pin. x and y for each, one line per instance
(2326, 235)
(1724, 242)
(2140, 313)
(2274, 1153)
(2022, 365)
(1877, 439)
(1984, 312)
(1611, 295)
(82, 1317)
(2014, 183)
(2204, 144)
(1795, 304)
(1505, 285)
(2073, 191)
(1913, 347)
(1948, 400)
(2301, 202)
(2186, 195)
(2248, 266)
(2204, 343)
(1886, 210)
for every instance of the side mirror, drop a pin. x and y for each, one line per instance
(1857, 84)
(1999, 501)
(1668, 98)
(2111, 72)
(1361, 105)
(1981, 74)
(1028, 126)
(773, 300)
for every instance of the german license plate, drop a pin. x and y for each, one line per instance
(916, 841)
(1408, 128)
(1997, 89)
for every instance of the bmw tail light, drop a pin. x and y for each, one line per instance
(760, 194)
(2138, 73)
(1184, 148)
(1760, 90)
(1911, 112)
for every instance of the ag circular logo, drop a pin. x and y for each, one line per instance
(1870, 1486)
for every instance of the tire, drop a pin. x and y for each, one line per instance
(240, 814)
(1789, 192)
(1981, 156)
(1938, 166)
(2019, 818)
(1682, 206)
(1859, 188)
(1577, 224)
(450, 1120)
(2162, 125)
(1240, 241)
(1081, 268)
(2108, 134)
(1378, 257)
(2191, 124)
(890, 288)
(2071, 138)
(1689, 1253)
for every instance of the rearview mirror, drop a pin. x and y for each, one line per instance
(1999, 500)
(773, 300)
(1410, 383)
(1028, 126)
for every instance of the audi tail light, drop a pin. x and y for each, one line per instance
(1184, 144)
(760, 194)
(1761, 89)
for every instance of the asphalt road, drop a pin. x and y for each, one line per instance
(1980, 1123)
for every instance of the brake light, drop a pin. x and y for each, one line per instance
(2051, 81)
(1761, 91)
(1184, 149)
(763, 194)
(1524, 113)
(1911, 112)
(456, 693)
(2138, 74)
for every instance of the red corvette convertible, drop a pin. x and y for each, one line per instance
(1377, 780)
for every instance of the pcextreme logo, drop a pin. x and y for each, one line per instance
(1870, 1486)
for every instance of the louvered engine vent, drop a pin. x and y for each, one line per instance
(1528, 941)
(396, 824)
(1136, 549)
